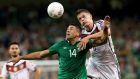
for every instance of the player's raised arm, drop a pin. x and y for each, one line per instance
(107, 25)
(97, 36)
(100, 36)
(103, 33)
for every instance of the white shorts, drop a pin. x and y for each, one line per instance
(103, 71)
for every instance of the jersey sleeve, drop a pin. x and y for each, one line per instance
(54, 48)
(100, 24)
(90, 44)
(31, 66)
(4, 72)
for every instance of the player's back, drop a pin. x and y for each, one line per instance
(102, 54)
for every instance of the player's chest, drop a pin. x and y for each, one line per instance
(69, 51)
(19, 67)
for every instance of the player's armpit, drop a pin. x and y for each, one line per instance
(37, 73)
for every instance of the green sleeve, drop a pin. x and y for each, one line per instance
(54, 48)
(90, 44)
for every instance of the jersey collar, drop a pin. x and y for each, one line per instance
(69, 41)
(86, 32)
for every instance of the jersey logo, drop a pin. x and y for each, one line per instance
(64, 47)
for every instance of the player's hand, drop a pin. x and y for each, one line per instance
(15, 60)
(107, 25)
(83, 43)
(107, 21)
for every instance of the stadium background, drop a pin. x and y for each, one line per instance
(27, 22)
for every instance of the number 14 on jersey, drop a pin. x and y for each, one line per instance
(72, 52)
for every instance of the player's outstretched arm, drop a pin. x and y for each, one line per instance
(37, 74)
(2, 78)
(34, 55)
(97, 36)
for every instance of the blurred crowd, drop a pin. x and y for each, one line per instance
(35, 31)
(126, 38)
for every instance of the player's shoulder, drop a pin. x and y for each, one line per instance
(60, 42)
(64, 41)
(20, 62)
(7, 63)
(4, 64)
(99, 21)
(99, 24)
(25, 61)
(29, 61)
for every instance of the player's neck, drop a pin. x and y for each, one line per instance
(90, 27)
(14, 56)
(74, 40)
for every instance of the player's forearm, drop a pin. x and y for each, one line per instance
(37, 74)
(109, 32)
(2, 78)
(106, 30)
(96, 35)
(35, 55)
(103, 35)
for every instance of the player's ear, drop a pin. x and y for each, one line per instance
(78, 34)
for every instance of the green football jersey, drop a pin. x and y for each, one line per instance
(71, 59)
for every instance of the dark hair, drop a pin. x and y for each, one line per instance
(11, 43)
(82, 10)
(77, 27)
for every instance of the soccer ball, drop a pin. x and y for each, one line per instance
(55, 10)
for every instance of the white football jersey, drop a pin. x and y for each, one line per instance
(102, 54)
(18, 71)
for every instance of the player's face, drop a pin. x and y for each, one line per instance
(71, 32)
(85, 19)
(14, 50)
